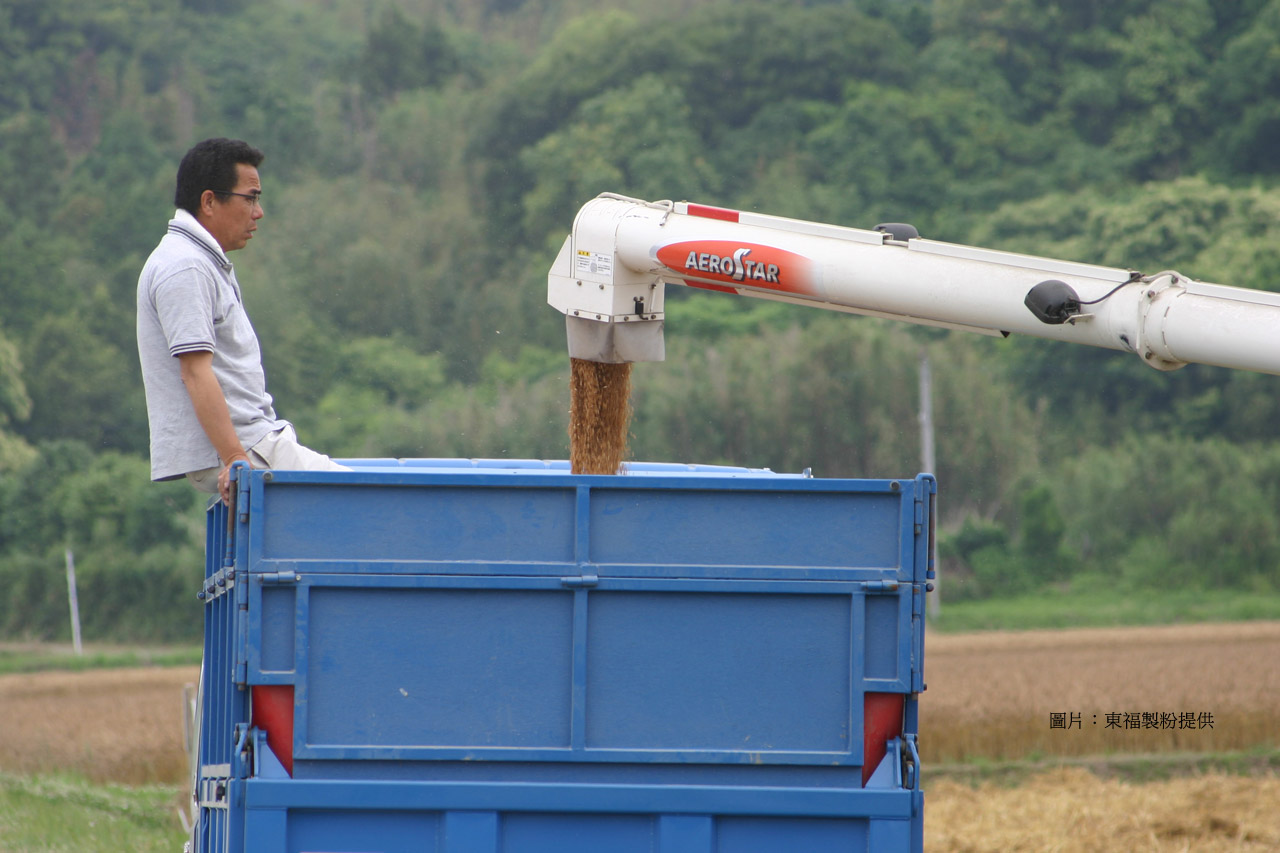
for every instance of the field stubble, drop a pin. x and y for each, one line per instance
(1071, 810)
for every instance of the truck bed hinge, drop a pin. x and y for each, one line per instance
(582, 581)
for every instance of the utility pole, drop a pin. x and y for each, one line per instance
(75, 604)
(929, 463)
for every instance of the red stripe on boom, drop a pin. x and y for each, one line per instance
(713, 212)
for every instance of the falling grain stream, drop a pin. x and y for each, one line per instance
(599, 416)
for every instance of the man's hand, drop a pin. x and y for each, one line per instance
(224, 476)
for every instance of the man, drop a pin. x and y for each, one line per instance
(207, 399)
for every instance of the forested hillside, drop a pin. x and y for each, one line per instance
(425, 159)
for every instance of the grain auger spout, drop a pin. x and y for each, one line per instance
(609, 278)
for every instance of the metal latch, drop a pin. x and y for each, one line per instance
(279, 577)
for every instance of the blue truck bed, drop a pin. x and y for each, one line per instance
(461, 655)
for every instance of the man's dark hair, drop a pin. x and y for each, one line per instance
(211, 165)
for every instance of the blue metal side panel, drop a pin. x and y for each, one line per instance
(387, 669)
(404, 668)
(494, 656)
(796, 529)
(349, 816)
(222, 706)
(476, 524)
(729, 673)
(409, 520)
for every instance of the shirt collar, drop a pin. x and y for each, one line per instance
(186, 225)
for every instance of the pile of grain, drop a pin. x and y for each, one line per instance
(599, 415)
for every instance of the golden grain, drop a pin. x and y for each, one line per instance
(599, 414)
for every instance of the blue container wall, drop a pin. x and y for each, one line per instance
(675, 660)
(223, 707)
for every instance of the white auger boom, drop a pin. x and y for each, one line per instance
(607, 282)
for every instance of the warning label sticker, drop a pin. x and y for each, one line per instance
(594, 264)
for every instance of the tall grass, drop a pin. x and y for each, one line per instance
(40, 657)
(1098, 605)
(52, 814)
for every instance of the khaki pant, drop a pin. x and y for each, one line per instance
(279, 450)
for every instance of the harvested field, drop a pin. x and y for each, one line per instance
(109, 725)
(991, 695)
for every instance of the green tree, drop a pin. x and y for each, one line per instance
(1174, 510)
(1244, 116)
(1020, 40)
(838, 395)
(121, 193)
(137, 547)
(33, 165)
(728, 61)
(1163, 81)
(33, 281)
(928, 157)
(636, 141)
(75, 369)
(400, 55)
(419, 139)
(374, 378)
(1042, 535)
(15, 405)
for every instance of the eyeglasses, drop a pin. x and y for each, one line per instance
(254, 198)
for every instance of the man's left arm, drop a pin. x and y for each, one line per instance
(211, 410)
